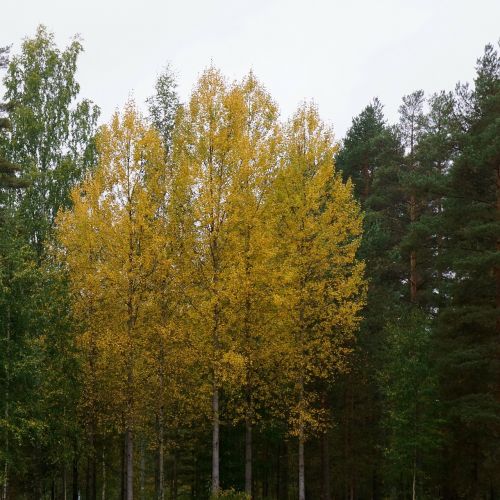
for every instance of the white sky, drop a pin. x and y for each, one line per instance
(341, 54)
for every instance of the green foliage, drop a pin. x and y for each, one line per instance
(53, 139)
(369, 145)
(51, 134)
(411, 407)
(431, 221)
(371, 155)
(468, 324)
(8, 170)
(163, 106)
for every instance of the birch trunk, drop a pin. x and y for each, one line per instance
(129, 466)
(248, 456)
(215, 441)
(75, 477)
(302, 486)
(414, 481)
(325, 462)
(103, 489)
(64, 485)
(142, 471)
(5, 489)
(161, 459)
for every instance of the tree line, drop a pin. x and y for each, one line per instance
(207, 301)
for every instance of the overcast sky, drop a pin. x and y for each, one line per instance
(341, 54)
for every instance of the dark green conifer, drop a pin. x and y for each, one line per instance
(469, 324)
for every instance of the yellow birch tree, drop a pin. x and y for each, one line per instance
(318, 232)
(250, 278)
(203, 151)
(111, 241)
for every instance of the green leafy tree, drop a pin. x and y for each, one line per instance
(8, 170)
(52, 138)
(411, 414)
(51, 134)
(163, 106)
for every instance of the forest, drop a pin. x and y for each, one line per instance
(204, 300)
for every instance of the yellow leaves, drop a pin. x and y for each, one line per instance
(232, 369)
(307, 418)
(232, 263)
(318, 229)
(114, 241)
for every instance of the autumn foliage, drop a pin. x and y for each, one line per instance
(232, 260)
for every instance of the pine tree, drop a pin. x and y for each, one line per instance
(411, 126)
(371, 156)
(468, 324)
(436, 154)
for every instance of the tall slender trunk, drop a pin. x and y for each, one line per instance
(413, 218)
(282, 479)
(497, 268)
(174, 478)
(414, 479)
(413, 277)
(348, 445)
(75, 476)
(302, 485)
(278, 471)
(64, 483)
(302, 329)
(129, 356)
(123, 470)
(215, 397)
(129, 465)
(215, 440)
(366, 181)
(325, 465)
(352, 467)
(103, 488)
(91, 468)
(160, 420)
(374, 494)
(266, 475)
(415, 450)
(196, 488)
(5, 489)
(142, 470)
(286, 472)
(161, 460)
(248, 388)
(413, 255)
(91, 478)
(248, 456)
